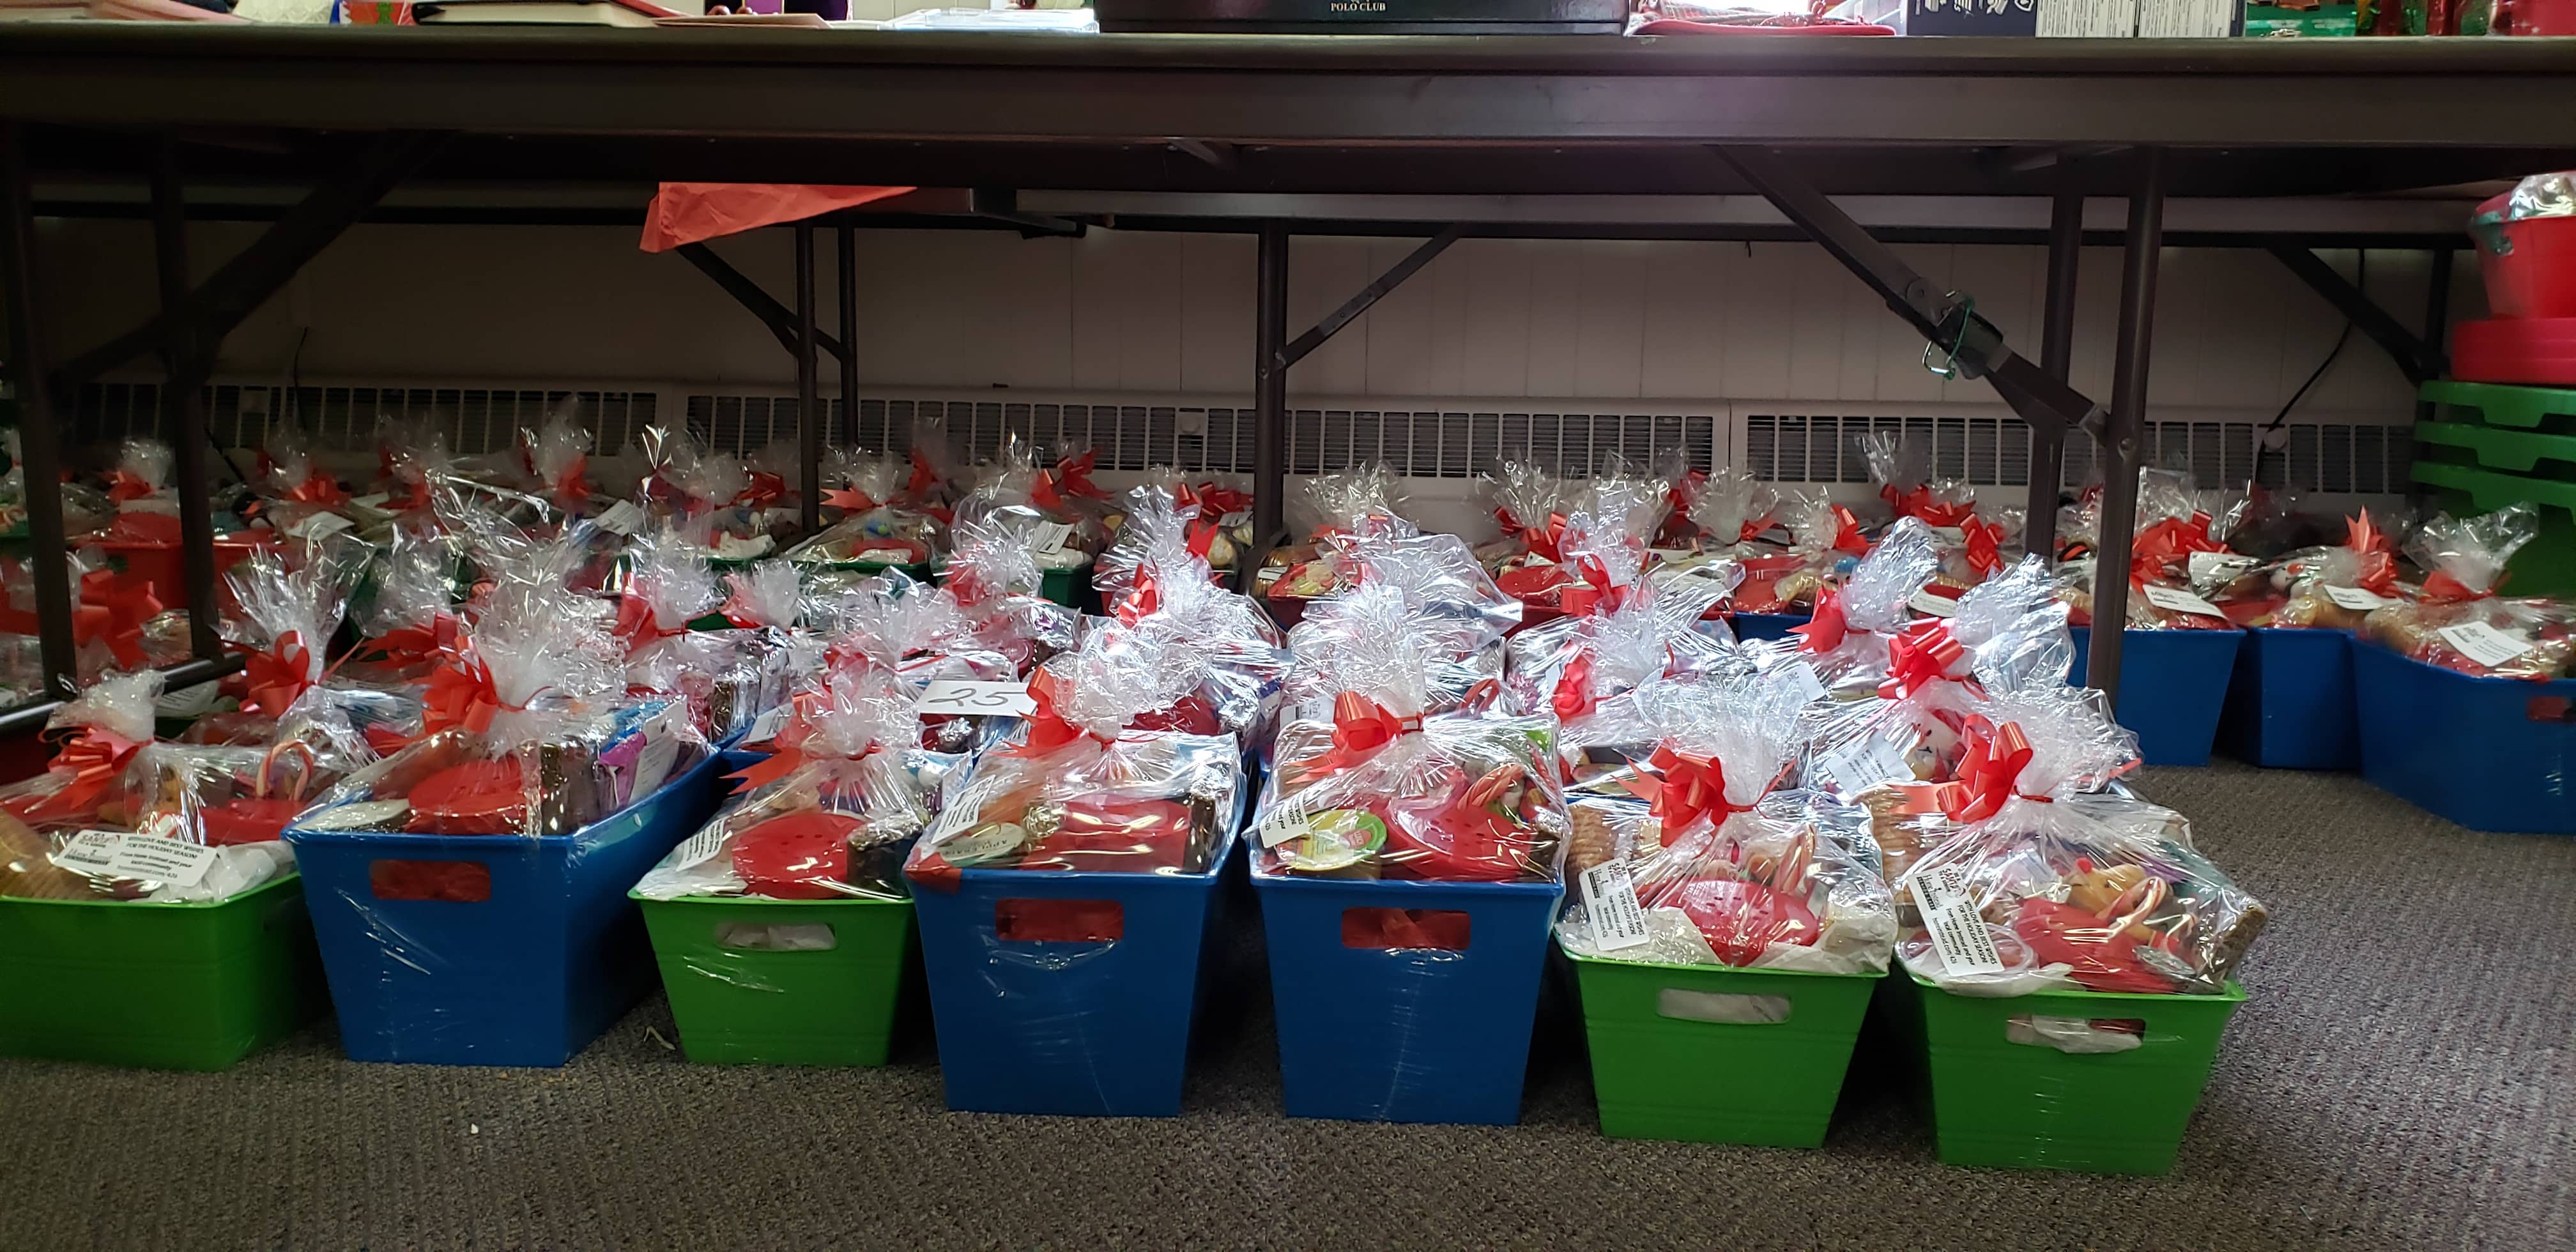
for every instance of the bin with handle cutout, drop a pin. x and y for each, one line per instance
(1708, 1054)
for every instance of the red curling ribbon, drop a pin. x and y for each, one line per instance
(850, 498)
(1362, 725)
(1071, 477)
(277, 676)
(2378, 568)
(1985, 545)
(1989, 773)
(766, 489)
(1919, 656)
(1593, 592)
(639, 625)
(1847, 533)
(1573, 695)
(1825, 631)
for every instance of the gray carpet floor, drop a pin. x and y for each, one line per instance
(2402, 1078)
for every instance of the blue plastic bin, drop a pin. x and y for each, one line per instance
(527, 976)
(1097, 1028)
(2488, 753)
(2173, 685)
(2290, 704)
(1767, 625)
(1405, 1035)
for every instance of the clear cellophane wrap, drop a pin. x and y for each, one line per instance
(1166, 591)
(2328, 588)
(1084, 786)
(1732, 507)
(285, 611)
(707, 488)
(1331, 507)
(2045, 885)
(296, 490)
(557, 456)
(1627, 629)
(833, 809)
(2175, 521)
(880, 522)
(1458, 615)
(1726, 869)
(1370, 782)
(1846, 637)
(2458, 622)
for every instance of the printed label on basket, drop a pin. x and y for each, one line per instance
(701, 847)
(1933, 603)
(767, 725)
(372, 500)
(2485, 644)
(148, 858)
(1610, 900)
(1810, 686)
(1235, 518)
(621, 518)
(1051, 537)
(1958, 933)
(1288, 819)
(957, 697)
(363, 815)
(319, 525)
(2177, 600)
(1864, 763)
(1949, 534)
(2210, 567)
(2356, 599)
(661, 752)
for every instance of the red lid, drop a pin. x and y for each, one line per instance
(248, 820)
(792, 857)
(1102, 833)
(475, 798)
(2531, 351)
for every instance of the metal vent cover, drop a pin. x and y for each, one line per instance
(344, 418)
(2329, 456)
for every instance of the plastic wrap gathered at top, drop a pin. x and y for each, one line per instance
(1846, 637)
(1630, 628)
(2459, 622)
(830, 812)
(1456, 618)
(2046, 887)
(2332, 588)
(994, 578)
(1169, 608)
(1364, 499)
(719, 495)
(298, 495)
(1731, 507)
(556, 455)
(1058, 503)
(1707, 863)
(2176, 523)
(1379, 786)
(889, 514)
(1082, 786)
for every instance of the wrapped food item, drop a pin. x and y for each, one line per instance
(1059, 505)
(1720, 870)
(2326, 588)
(1383, 787)
(1225, 509)
(714, 490)
(880, 524)
(105, 726)
(1823, 536)
(1083, 788)
(1172, 593)
(994, 577)
(1732, 508)
(180, 833)
(1361, 499)
(831, 812)
(2044, 887)
(2458, 622)
(556, 454)
(409, 616)
(147, 511)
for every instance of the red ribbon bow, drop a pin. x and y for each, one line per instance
(1593, 593)
(1573, 695)
(850, 498)
(1985, 545)
(1684, 788)
(460, 693)
(1988, 773)
(1919, 656)
(113, 609)
(1220, 502)
(789, 752)
(410, 645)
(1048, 730)
(1825, 631)
(766, 489)
(95, 758)
(1142, 599)
(1070, 477)
(924, 481)
(2378, 568)
(572, 486)
(1847, 533)
(1684, 490)
(639, 625)
(124, 485)
(2171, 540)
(276, 677)
(1362, 725)
(1544, 540)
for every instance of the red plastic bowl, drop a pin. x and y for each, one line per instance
(2529, 266)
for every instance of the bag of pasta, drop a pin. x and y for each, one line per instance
(2047, 887)
(1720, 868)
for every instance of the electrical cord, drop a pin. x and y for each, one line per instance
(2264, 441)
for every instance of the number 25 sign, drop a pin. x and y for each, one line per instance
(951, 697)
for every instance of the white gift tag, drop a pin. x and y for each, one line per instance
(1051, 537)
(1949, 534)
(621, 518)
(1811, 687)
(319, 526)
(126, 854)
(1932, 603)
(1610, 900)
(1234, 519)
(1865, 763)
(954, 697)
(2177, 600)
(2210, 567)
(700, 849)
(372, 500)
(2356, 599)
(767, 725)
(2485, 644)
(89, 852)
(1959, 935)
(661, 752)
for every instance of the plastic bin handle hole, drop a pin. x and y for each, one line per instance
(1722, 1007)
(2079, 1036)
(1059, 921)
(1398, 930)
(449, 882)
(776, 937)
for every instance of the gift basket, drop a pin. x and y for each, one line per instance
(556, 455)
(726, 509)
(783, 927)
(2071, 954)
(2290, 704)
(1824, 538)
(1363, 498)
(143, 537)
(1163, 590)
(473, 885)
(1626, 628)
(116, 617)
(299, 496)
(1407, 864)
(1847, 637)
(149, 915)
(1066, 888)
(2437, 724)
(1713, 899)
(882, 523)
(1529, 562)
(1059, 506)
(2178, 651)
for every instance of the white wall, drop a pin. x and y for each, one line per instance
(1139, 312)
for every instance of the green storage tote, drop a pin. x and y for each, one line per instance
(157, 986)
(750, 1006)
(1660, 1076)
(2546, 565)
(2004, 1105)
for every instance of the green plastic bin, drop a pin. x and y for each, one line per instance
(749, 1006)
(2545, 410)
(1661, 1076)
(2003, 1105)
(157, 986)
(2545, 566)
